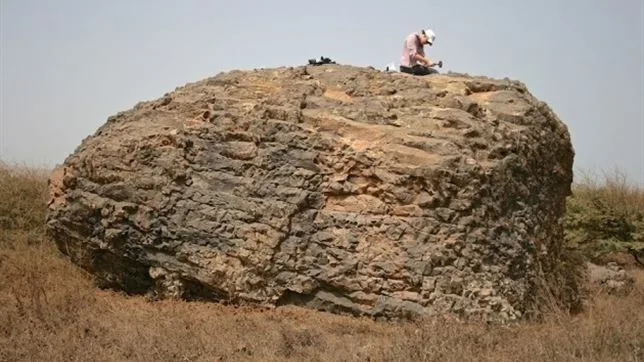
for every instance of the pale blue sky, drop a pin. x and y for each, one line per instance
(69, 64)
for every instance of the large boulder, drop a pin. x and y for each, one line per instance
(334, 187)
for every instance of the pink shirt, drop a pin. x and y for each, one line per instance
(411, 47)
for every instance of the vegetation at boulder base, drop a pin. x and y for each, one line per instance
(606, 217)
(51, 310)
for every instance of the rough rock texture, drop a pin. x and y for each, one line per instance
(335, 187)
(611, 278)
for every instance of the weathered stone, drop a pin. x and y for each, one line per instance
(335, 187)
(611, 278)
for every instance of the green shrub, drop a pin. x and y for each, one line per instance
(605, 217)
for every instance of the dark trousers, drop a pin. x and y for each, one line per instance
(418, 70)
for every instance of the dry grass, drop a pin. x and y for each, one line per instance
(22, 198)
(613, 188)
(606, 216)
(51, 312)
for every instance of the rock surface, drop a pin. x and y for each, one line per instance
(334, 187)
(610, 278)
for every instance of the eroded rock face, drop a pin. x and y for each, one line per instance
(334, 187)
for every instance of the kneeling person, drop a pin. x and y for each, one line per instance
(412, 59)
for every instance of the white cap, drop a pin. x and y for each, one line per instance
(431, 36)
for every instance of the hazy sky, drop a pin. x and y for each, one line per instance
(69, 64)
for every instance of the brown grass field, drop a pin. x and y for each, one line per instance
(50, 311)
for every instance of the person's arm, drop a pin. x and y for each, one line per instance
(422, 59)
(412, 45)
